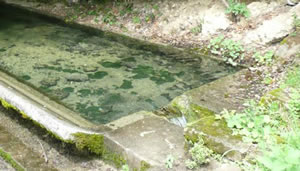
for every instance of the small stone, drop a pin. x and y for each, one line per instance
(49, 82)
(77, 77)
(60, 94)
(90, 68)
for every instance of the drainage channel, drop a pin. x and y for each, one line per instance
(72, 80)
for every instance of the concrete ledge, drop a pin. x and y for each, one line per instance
(39, 113)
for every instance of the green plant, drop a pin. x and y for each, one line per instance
(267, 58)
(282, 157)
(109, 18)
(273, 124)
(238, 9)
(296, 22)
(169, 162)
(200, 154)
(197, 29)
(125, 168)
(256, 122)
(150, 17)
(136, 20)
(230, 50)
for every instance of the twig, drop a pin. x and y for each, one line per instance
(44, 152)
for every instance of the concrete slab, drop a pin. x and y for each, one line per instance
(152, 139)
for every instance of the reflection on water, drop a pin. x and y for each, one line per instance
(101, 77)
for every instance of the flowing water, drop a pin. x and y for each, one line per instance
(100, 75)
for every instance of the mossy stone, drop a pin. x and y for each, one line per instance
(127, 84)
(142, 71)
(215, 133)
(98, 75)
(112, 98)
(92, 142)
(68, 89)
(49, 82)
(162, 77)
(26, 77)
(60, 94)
(99, 91)
(84, 92)
(130, 59)
(108, 64)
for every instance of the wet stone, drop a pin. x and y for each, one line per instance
(60, 94)
(126, 84)
(84, 92)
(90, 68)
(98, 75)
(76, 77)
(49, 82)
(26, 77)
(108, 64)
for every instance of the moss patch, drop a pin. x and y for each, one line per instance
(126, 84)
(98, 75)
(91, 142)
(11, 161)
(108, 64)
(215, 133)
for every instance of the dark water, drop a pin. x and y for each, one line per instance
(100, 75)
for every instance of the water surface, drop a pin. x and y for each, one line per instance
(99, 75)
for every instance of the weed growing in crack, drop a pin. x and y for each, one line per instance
(199, 153)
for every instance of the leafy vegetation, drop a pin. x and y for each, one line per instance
(238, 9)
(230, 50)
(169, 162)
(267, 58)
(199, 153)
(296, 22)
(273, 124)
(109, 18)
(125, 168)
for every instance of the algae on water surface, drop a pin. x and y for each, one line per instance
(94, 73)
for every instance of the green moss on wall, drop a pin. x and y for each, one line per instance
(91, 142)
(115, 158)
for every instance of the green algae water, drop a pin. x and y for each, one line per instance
(99, 75)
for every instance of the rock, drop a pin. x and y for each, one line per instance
(90, 68)
(215, 133)
(60, 94)
(274, 29)
(76, 77)
(49, 82)
(199, 107)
